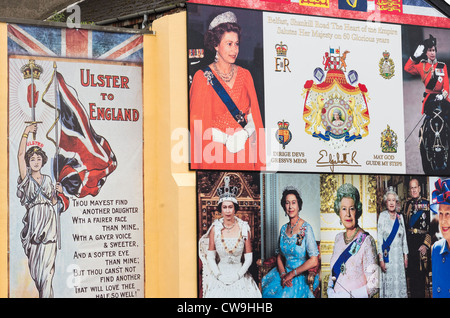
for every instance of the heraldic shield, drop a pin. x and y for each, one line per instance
(283, 134)
(335, 110)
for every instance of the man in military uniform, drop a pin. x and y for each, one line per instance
(417, 222)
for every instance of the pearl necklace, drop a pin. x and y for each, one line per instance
(229, 228)
(226, 77)
(348, 240)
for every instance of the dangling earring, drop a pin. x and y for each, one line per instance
(216, 58)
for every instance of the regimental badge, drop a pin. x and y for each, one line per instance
(283, 134)
(335, 110)
(389, 142)
(387, 66)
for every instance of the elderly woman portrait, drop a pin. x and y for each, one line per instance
(440, 204)
(298, 252)
(337, 117)
(354, 267)
(228, 242)
(392, 249)
(225, 120)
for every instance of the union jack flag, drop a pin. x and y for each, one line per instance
(85, 159)
(74, 43)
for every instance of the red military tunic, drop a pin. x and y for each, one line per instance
(433, 86)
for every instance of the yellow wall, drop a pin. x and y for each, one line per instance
(3, 162)
(169, 187)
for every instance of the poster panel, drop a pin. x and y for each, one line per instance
(335, 95)
(75, 173)
(231, 201)
(334, 92)
(226, 106)
(380, 264)
(414, 12)
(426, 101)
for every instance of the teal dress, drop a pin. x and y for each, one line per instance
(296, 251)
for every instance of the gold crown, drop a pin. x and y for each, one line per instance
(283, 125)
(31, 68)
(386, 54)
(281, 49)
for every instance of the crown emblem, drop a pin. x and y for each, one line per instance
(283, 125)
(227, 192)
(31, 69)
(281, 49)
(386, 55)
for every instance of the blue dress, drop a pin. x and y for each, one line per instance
(295, 256)
(440, 263)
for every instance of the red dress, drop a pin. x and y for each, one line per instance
(208, 111)
(425, 69)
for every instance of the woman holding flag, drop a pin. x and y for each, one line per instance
(38, 195)
(392, 249)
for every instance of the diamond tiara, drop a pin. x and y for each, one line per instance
(223, 18)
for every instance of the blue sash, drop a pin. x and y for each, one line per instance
(387, 243)
(420, 208)
(226, 99)
(352, 249)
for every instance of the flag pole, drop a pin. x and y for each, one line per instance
(33, 110)
(57, 106)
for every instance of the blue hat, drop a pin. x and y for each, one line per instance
(441, 195)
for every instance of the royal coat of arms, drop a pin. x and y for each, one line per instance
(335, 106)
(389, 143)
(283, 134)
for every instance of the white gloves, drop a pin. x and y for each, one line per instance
(250, 127)
(236, 142)
(219, 136)
(211, 259)
(228, 279)
(248, 259)
(419, 51)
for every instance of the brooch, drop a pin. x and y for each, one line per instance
(209, 75)
(301, 236)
